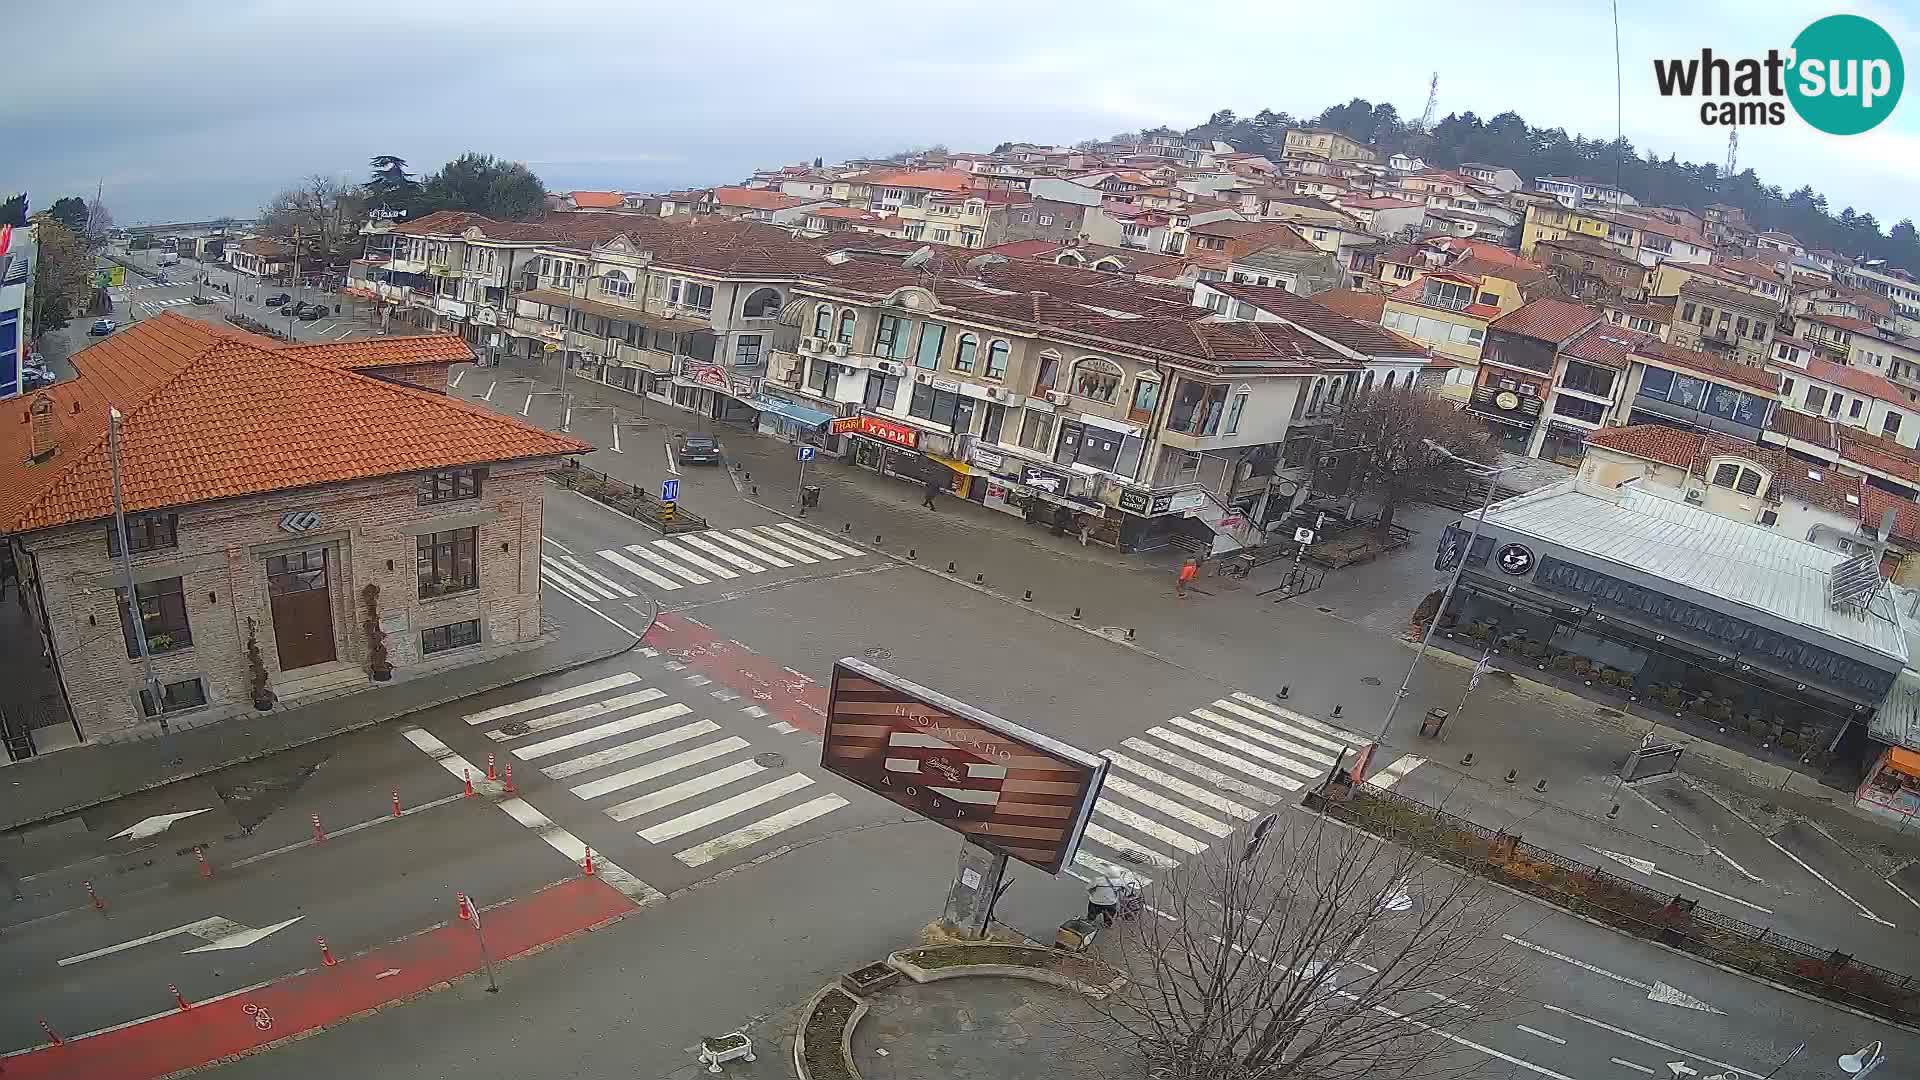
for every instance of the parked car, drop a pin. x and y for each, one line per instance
(296, 310)
(314, 311)
(35, 378)
(699, 450)
(276, 301)
(102, 327)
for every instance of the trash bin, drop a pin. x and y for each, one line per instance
(1431, 724)
(810, 496)
(336, 309)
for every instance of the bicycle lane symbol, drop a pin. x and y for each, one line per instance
(262, 1019)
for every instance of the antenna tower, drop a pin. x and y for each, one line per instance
(1733, 151)
(1433, 102)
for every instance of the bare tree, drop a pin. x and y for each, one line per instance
(1380, 447)
(1322, 952)
(323, 210)
(99, 223)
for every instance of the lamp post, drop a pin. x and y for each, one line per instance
(1426, 638)
(1864, 1060)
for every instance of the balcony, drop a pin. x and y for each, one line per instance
(1505, 406)
(529, 326)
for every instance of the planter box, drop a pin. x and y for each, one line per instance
(863, 981)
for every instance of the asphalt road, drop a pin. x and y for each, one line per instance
(140, 299)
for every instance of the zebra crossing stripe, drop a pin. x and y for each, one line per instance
(603, 581)
(1210, 799)
(719, 552)
(680, 792)
(819, 539)
(602, 731)
(501, 712)
(1392, 774)
(1146, 826)
(553, 579)
(637, 570)
(1108, 838)
(1304, 720)
(1265, 776)
(585, 712)
(1293, 750)
(1102, 868)
(695, 558)
(668, 565)
(726, 808)
(1245, 747)
(643, 773)
(748, 835)
(804, 543)
(602, 758)
(1298, 734)
(1214, 776)
(739, 545)
(557, 569)
(1120, 785)
(775, 545)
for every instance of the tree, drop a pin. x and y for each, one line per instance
(480, 184)
(321, 210)
(1380, 446)
(1321, 953)
(99, 223)
(13, 210)
(62, 274)
(71, 212)
(390, 185)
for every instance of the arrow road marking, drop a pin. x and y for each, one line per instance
(1631, 1065)
(1656, 991)
(240, 937)
(1646, 866)
(218, 931)
(155, 825)
(1864, 910)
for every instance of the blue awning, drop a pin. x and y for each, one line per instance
(811, 419)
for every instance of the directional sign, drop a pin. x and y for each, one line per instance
(155, 825)
(218, 932)
(670, 490)
(1303, 536)
(806, 453)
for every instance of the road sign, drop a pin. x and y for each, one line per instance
(670, 490)
(806, 453)
(1303, 536)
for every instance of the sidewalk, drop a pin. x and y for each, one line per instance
(64, 782)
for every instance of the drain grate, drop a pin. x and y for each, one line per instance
(879, 654)
(1324, 610)
(514, 727)
(770, 760)
(1371, 680)
(1133, 857)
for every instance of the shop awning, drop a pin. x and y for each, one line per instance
(812, 419)
(960, 467)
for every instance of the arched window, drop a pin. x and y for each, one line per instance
(1388, 385)
(845, 337)
(616, 283)
(1110, 264)
(1367, 386)
(963, 353)
(1068, 258)
(823, 321)
(1096, 379)
(997, 360)
(1313, 403)
(761, 304)
(1146, 399)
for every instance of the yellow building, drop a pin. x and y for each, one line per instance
(1324, 144)
(1550, 221)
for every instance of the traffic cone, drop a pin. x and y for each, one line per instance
(507, 785)
(52, 1035)
(468, 774)
(98, 904)
(465, 909)
(319, 834)
(589, 864)
(326, 954)
(396, 804)
(491, 775)
(206, 868)
(179, 998)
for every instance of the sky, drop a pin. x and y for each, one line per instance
(192, 109)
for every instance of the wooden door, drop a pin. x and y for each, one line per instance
(302, 608)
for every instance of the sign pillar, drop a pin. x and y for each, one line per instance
(975, 886)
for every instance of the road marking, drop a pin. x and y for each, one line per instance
(242, 937)
(1108, 838)
(1298, 734)
(1247, 748)
(598, 732)
(748, 835)
(686, 789)
(616, 434)
(781, 727)
(1656, 991)
(553, 835)
(488, 396)
(1728, 859)
(803, 543)
(586, 712)
(1121, 786)
(324, 327)
(155, 825)
(1395, 772)
(217, 931)
(1647, 866)
(1293, 749)
(1656, 1043)
(637, 570)
(719, 552)
(1102, 868)
(695, 558)
(1210, 799)
(1864, 910)
(1214, 776)
(818, 539)
(526, 405)
(457, 376)
(571, 592)
(774, 545)
(726, 808)
(672, 465)
(602, 580)
(557, 544)
(1265, 776)
(1538, 1034)
(589, 762)
(1631, 1065)
(1903, 893)
(558, 571)
(1304, 720)
(668, 565)
(1148, 827)
(741, 545)
(501, 712)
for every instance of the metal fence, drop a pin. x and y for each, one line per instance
(1675, 920)
(669, 518)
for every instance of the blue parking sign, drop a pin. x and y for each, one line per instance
(670, 490)
(806, 453)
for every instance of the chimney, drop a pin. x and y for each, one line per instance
(41, 433)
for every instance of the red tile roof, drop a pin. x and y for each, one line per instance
(754, 198)
(1843, 322)
(1859, 380)
(1353, 303)
(1803, 427)
(931, 179)
(1871, 451)
(1026, 249)
(1874, 503)
(597, 200)
(1368, 339)
(1654, 442)
(215, 415)
(1547, 320)
(1606, 344)
(1709, 365)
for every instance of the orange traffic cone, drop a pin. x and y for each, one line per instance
(589, 864)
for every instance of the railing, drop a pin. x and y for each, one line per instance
(637, 503)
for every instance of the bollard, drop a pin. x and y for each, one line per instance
(396, 804)
(468, 775)
(206, 868)
(1130, 633)
(1076, 614)
(51, 1034)
(1029, 596)
(846, 527)
(912, 554)
(876, 539)
(1284, 691)
(326, 954)
(589, 862)
(1613, 811)
(319, 834)
(1336, 710)
(979, 579)
(1512, 775)
(507, 784)
(492, 773)
(98, 904)
(1540, 784)
(179, 999)
(1467, 759)
(756, 489)
(949, 566)
(749, 476)
(464, 909)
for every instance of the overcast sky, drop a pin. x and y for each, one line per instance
(194, 108)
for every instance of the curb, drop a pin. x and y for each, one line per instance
(357, 725)
(846, 1033)
(1529, 897)
(918, 974)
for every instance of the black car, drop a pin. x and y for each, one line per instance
(314, 311)
(276, 301)
(699, 450)
(295, 310)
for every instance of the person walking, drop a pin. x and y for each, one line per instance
(1188, 571)
(1103, 900)
(933, 488)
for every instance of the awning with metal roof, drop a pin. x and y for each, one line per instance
(557, 298)
(812, 419)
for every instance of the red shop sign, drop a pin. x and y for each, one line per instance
(887, 431)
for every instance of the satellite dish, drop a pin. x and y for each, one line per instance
(919, 258)
(980, 262)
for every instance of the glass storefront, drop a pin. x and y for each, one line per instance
(1730, 701)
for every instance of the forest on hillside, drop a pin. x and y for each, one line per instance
(1507, 139)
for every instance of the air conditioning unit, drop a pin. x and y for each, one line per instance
(994, 393)
(839, 348)
(890, 367)
(792, 378)
(1694, 496)
(811, 344)
(923, 376)
(1058, 397)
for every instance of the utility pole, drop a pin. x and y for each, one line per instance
(126, 569)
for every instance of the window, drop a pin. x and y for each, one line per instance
(942, 236)
(746, 350)
(762, 304)
(1591, 412)
(616, 283)
(1686, 313)
(1046, 219)
(1853, 410)
(823, 321)
(1146, 399)
(1833, 404)
(1740, 328)
(1026, 216)
(163, 617)
(1891, 425)
(845, 336)
(1036, 432)
(933, 336)
(1749, 482)
(146, 532)
(963, 352)
(1816, 398)
(1402, 273)
(452, 485)
(446, 563)
(882, 390)
(451, 636)
(817, 376)
(1449, 295)
(1786, 388)
(174, 697)
(997, 360)
(1096, 379)
(940, 407)
(1587, 379)
(1489, 299)
(1725, 474)
(692, 294)
(1234, 410)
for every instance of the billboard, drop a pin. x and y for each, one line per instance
(1011, 790)
(109, 277)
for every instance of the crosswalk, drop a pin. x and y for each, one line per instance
(688, 559)
(1182, 786)
(155, 305)
(644, 761)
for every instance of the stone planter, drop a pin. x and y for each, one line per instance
(823, 1043)
(1047, 966)
(863, 981)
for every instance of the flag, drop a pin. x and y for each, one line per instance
(1485, 665)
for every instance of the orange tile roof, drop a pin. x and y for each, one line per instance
(1353, 303)
(387, 351)
(598, 200)
(933, 179)
(1858, 380)
(1710, 365)
(1654, 442)
(1906, 513)
(754, 198)
(1547, 320)
(211, 415)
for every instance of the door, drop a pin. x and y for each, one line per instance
(302, 608)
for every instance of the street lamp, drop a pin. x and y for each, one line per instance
(1864, 1060)
(1426, 639)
